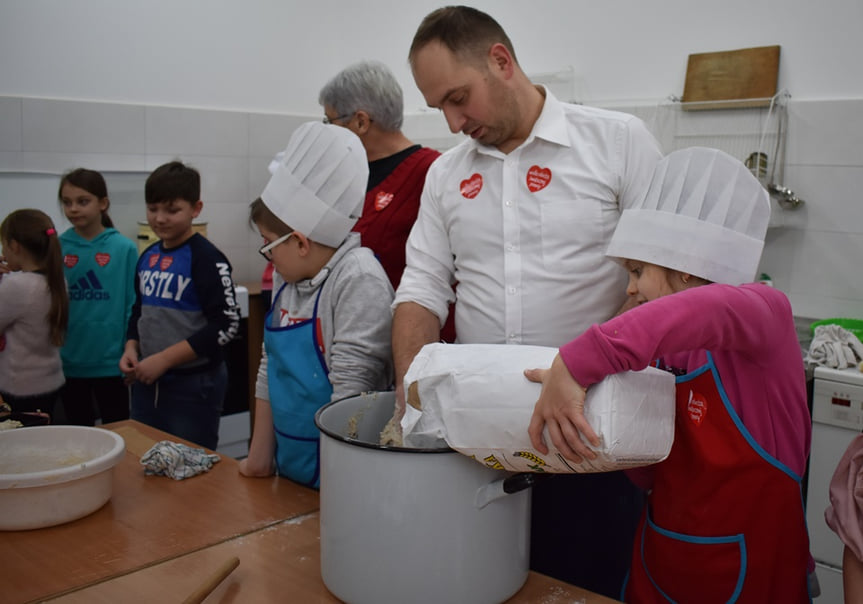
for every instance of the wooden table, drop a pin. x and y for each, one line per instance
(158, 539)
(148, 519)
(279, 563)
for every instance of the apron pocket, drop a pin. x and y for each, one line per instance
(298, 458)
(680, 565)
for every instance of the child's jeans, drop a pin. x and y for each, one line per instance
(188, 405)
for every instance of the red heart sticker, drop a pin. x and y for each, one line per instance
(70, 260)
(166, 262)
(696, 407)
(538, 178)
(382, 200)
(154, 258)
(471, 187)
(102, 259)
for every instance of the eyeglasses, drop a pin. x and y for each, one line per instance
(267, 250)
(332, 120)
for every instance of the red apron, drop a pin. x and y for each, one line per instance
(725, 520)
(391, 209)
(389, 213)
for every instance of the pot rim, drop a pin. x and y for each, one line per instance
(361, 443)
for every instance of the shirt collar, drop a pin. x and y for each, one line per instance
(550, 126)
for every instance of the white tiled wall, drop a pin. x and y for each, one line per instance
(819, 257)
(814, 257)
(814, 254)
(41, 138)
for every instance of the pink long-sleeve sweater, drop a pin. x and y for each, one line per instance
(750, 332)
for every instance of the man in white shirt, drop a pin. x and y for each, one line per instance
(519, 217)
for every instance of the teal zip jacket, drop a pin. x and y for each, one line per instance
(100, 275)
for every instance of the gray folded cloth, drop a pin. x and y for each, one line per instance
(835, 346)
(177, 460)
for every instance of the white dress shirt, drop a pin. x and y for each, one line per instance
(524, 234)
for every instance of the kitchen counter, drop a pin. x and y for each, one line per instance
(158, 540)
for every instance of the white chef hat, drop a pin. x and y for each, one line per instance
(704, 214)
(318, 182)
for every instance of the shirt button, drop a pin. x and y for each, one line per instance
(509, 204)
(512, 290)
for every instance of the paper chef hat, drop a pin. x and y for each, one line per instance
(318, 183)
(704, 214)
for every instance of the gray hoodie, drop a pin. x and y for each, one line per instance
(355, 317)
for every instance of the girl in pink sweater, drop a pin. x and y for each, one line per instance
(728, 497)
(34, 311)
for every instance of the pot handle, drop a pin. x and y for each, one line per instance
(506, 486)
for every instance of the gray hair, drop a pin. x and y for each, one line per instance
(368, 86)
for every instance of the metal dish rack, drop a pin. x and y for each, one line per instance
(756, 135)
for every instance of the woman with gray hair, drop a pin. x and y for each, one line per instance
(367, 86)
(366, 99)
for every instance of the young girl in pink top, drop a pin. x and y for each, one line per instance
(34, 311)
(728, 497)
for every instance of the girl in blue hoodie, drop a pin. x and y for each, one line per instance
(99, 263)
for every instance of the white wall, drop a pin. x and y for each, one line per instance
(222, 84)
(274, 55)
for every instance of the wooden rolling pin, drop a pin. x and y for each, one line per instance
(213, 581)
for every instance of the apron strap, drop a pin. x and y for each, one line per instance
(279, 295)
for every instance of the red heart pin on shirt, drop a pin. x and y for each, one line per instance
(382, 200)
(166, 262)
(538, 178)
(154, 258)
(471, 187)
(70, 260)
(696, 407)
(102, 258)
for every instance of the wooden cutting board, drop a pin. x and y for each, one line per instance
(748, 73)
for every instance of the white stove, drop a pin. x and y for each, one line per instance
(837, 417)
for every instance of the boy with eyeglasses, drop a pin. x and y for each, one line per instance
(327, 333)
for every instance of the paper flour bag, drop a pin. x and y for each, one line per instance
(476, 398)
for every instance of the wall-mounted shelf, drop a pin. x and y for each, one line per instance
(725, 104)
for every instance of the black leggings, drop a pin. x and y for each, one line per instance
(85, 399)
(28, 404)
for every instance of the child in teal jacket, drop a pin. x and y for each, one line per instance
(99, 264)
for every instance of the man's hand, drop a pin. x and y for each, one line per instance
(413, 327)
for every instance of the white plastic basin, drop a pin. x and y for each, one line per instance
(55, 474)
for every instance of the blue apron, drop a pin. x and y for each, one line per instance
(299, 386)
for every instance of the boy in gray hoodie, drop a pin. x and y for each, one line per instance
(327, 333)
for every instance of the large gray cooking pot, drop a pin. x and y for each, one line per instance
(404, 525)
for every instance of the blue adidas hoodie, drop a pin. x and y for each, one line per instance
(100, 275)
